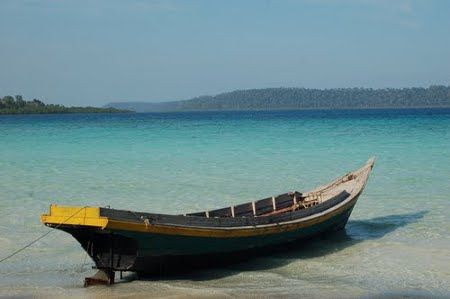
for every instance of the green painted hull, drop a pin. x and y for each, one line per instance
(169, 252)
(151, 253)
(150, 244)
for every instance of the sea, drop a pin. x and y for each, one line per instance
(396, 243)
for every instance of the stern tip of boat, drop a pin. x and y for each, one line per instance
(74, 215)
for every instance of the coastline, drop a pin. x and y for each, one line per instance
(296, 109)
(117, 111)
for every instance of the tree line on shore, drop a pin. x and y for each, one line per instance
(17, 105)
(303, 98)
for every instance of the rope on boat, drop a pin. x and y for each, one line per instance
(31, 243)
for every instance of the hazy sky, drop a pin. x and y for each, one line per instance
(93, 52)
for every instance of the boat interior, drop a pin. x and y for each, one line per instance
(260, 207)
(285, 202)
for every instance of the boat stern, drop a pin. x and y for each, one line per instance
(74, 215)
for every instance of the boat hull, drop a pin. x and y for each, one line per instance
(206, 252)
(154, 253)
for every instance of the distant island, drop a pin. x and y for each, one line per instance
(17, 105)
(303, 98)
(435, 96)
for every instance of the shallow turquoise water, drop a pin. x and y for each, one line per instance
(397, 241)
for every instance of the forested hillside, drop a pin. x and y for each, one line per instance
(303, 98)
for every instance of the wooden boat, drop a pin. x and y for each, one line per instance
(120, 240)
